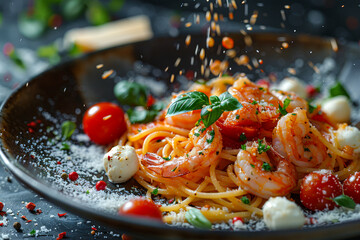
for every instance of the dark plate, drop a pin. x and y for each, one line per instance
(66, 90)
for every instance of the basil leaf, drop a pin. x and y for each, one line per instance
(131, 93)
(72, 9)
(228, 102)
(214, 100)
(197, 219)
(209, 117)
(337, 90)
(141, 115)
(345, 201)
(67, 129)
(31, 27)
(187, 102)
(97, 14)
(65, 146)
(158, 106)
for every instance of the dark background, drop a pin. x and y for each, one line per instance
(330, 18)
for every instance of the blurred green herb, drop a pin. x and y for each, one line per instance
(50, 52)
(97, 14)
(338, 90)
(1, 18)
(16, 59)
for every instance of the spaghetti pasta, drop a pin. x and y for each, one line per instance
(214, 184)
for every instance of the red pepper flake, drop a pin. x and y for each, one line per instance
(2, 214)
(150, 101)
(94, 229)
(61, 214)
(59, 162)
(73, 176)
(158, 205)
(28, 221)
(30, 130)
(171, 200)
(32, 156)
(61, 235)
(100, 185)
(38, 211)
(23, 217)
(1, 206)
(31, 124)
(30, 206)
(1, 224)
(38, 121)
(311, 221)
(235, 219)
(109, 158)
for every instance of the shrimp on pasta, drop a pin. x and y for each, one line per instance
(207, 146)
(265, 174)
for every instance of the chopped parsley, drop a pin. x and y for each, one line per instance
(282, 110)
(237, 116)
(197, 134)
(65, 146)
(201, 153)
(262, 147)
(167, 158)
(243, 137)
(254, 102)
(306, 149)
(243, 147)
(311, 108)
(173, 170)
(252, 165)
(212, 134)
(32, 232)
(266, 167)
(245, 200)
(155, 191)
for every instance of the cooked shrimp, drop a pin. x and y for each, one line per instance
(258, 101)
(265, 174)
(207, 148)
(294, 139)
(185, 120)
(295, 102)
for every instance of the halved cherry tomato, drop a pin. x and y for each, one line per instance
(317, 190)
(141, 207)
(352, 187)
(104, 122)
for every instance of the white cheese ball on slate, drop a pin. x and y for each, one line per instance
(348, 136)
(280, 213)
(294, 85)
(121, 163)
(338, 109)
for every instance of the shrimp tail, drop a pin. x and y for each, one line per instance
(167, 169)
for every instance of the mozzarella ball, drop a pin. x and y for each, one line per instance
(348, 136)
(121, 163)
(338, 109)
(280, 213)
(294, 85)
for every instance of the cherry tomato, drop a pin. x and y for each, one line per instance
(104, 123)
(352, 187)
(227, 43)
(141, 207)
(100, 185)
(317, 190)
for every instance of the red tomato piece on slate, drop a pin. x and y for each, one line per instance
(352, 187)
(317, 190)
(141, 207)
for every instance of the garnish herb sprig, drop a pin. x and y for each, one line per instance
(211, 109)
(197, 219)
